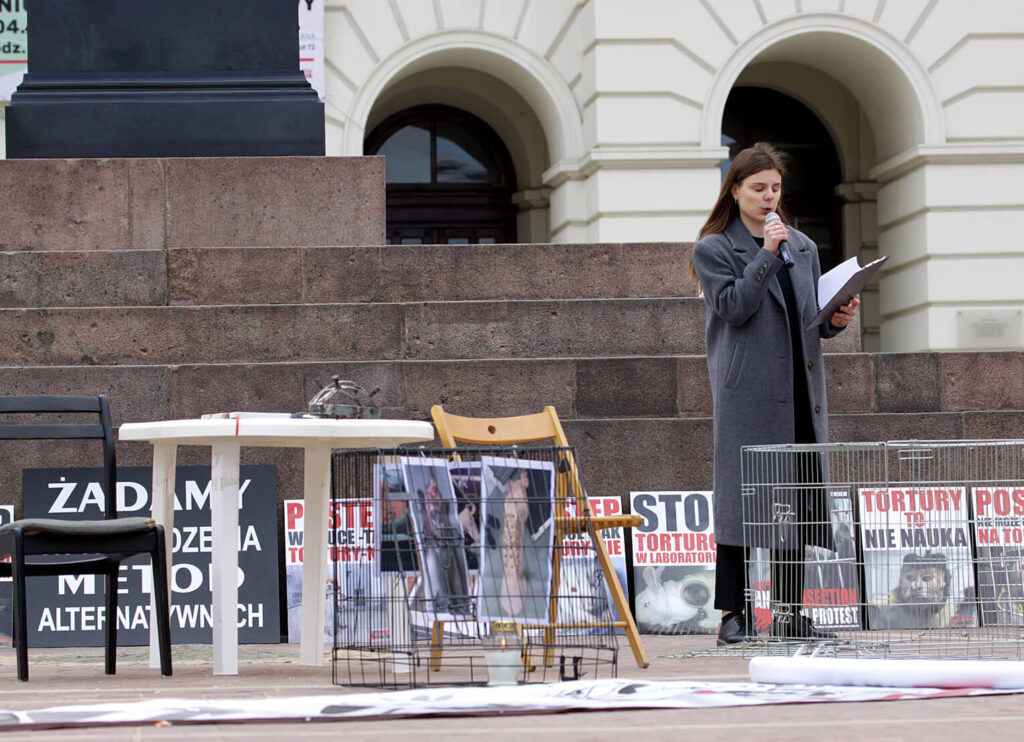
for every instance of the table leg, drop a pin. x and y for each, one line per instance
(164, 460)
(314, 553)
(224, 555)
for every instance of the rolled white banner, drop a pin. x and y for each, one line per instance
(889, 673)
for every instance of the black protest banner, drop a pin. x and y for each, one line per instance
(69, 610)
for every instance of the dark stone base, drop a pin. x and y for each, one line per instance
(255, 116)
(192, 78)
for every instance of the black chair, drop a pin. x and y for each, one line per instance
(97, 546)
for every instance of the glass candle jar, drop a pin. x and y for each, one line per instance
(503, 653)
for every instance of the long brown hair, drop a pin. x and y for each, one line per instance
(754, 159)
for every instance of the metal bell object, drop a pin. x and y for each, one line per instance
(344, 399)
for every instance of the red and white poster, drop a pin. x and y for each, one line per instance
(351, 561)
(584, 594)
(674, 563)
(311, 43)
(999, 532)
(918, 567)
(831, 595)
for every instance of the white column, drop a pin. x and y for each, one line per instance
(635, 194)
(860, 239)
(948, 217)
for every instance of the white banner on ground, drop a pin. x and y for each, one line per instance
(580, 695)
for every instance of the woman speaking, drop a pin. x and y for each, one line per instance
(759, 279)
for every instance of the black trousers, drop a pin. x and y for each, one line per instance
(731, 578)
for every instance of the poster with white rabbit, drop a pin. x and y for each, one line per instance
(674, 563)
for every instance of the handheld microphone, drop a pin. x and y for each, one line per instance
(787, 261)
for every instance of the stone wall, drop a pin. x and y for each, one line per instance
(179, 287)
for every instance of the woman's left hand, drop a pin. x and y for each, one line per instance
(845, 314)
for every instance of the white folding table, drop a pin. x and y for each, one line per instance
(317, 436)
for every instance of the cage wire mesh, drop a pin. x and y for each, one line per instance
(465, 566)
(897, 549)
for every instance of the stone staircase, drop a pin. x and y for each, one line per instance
(184, 286)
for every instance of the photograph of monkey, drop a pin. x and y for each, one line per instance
(927, 592)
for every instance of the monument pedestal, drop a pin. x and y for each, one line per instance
(192, 78)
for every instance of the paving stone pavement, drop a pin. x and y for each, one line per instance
(68, 676)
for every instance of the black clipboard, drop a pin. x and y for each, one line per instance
(854, 285)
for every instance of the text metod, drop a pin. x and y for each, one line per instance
(138, 578)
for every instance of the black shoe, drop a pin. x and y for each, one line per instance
(800, 627)
(733, 629)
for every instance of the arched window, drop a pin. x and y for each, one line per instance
(449, 178)
(809, 189)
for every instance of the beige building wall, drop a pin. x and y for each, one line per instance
(612, 110)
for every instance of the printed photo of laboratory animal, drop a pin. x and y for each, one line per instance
(439, 537)
(518, 522)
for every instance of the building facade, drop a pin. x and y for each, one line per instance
(612, 113)
(610, 120)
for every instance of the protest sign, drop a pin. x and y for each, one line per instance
(584, 595)
(69, 610)
(999, 532)
(674, 563)
(351, 558)
(918, 567)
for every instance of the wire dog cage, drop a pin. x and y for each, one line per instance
(903, 548)
(464, 566)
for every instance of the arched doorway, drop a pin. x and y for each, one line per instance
(450, 178)
(809, 191)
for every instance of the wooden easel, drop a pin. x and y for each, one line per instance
(543, 426)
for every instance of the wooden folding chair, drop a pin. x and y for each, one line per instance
(452, 429)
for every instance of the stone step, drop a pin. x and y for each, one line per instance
(579, 328)
(83, 278)
(425, 273)
(626, 454)
(169, 202)
(616, 455)
(341, 274)
(866, 384)
(321, 332)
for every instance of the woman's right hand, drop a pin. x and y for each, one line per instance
(775, 233)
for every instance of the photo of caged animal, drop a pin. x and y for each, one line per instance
(675, 600)
(583, 593)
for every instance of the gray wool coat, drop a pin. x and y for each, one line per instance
(750, 359)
